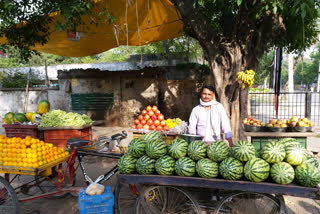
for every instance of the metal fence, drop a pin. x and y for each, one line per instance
(300, 104)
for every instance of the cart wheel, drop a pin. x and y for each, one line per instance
(46, 186)
(248, 202)
(168, 199)
(8, 198)
(139, 208)
(126, 197)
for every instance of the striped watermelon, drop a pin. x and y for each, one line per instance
(137, 147)
(295, 155)
(127, 164)
(231, 169)
(310, 159)
(197, 150)
(284, 140)
(152, 135)
(282, 173)
(243, 150)
(207, 168)
(291, 143)
(185, 167)
(307, 175)
(165, 165)
(273, 152)
(178, 148)
(218, 151)
(145, 165)
(256, 170)
(156, 148)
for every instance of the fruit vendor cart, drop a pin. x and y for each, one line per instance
(173, 193)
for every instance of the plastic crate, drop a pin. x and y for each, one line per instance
(59, 137)
(259, 142)
(97, 203)
(17, 130)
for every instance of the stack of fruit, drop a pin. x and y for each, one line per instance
(276, 160)
(245, 78)
(251, 121)
(171, 123)
(300, 122)
(28, 118)
(151, 119)
(277, 123)
(28, 152)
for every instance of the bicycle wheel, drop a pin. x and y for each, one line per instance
(248, 202)
(45, 185)
(8, 199)
(125, 198)
(168, 199)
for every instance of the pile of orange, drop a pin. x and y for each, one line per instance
(28, 152)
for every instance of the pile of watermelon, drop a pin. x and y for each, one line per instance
(281, 162)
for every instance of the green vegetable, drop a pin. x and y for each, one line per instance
(59, 118)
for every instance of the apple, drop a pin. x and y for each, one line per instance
(294, 118)
(284, 121)
(159, 128)
(263, 124)
(150, 113)
(284, 125)
(301, 123)
(144, 112)
(156, 123)
(146, 127)
(305, 120)
(154, 117)
(149, 108)
(146, 118)
(163, 123)
(152, 127)
(269, 125)
(133, 126)
(273, 121)
(140, 117)
(157, 112)
(139, 126)
(154, 108)
(293, 123)
(278, 122)
(161, 117)
(143, 122)
(277, 125)
(136, 122)
(245, 121)
(311, 123)
(149, 122)
(166, 128)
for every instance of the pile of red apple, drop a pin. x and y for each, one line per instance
(253, 122)
(151, 119)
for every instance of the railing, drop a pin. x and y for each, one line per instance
(300, 104)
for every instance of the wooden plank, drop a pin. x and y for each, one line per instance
(263, 187)
(280, 134)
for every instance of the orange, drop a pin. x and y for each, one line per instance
(29, 155)
(28, 143)
(28, 138)
(25, 164)
(35, 165)
(33, 141)
(23, 146)
(2, 136)
(28, 150)
(34, 146)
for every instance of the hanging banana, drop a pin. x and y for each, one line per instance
(245, 78)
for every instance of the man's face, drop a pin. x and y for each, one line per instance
(206, 95)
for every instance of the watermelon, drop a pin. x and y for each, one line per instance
(295, 155)
(273, 152)
(218, 151)
(178, 148)
(243, 150)
(145, 165)
(156, 148)
(207, 168)
(8, 117)
(291, 143)
(19, 117)
(310, 159)
(152, 135)
(185, 167)
(137, 147)
(256, 170)
(231, 168)
(165, 165)
(197, 150)
(282, 173)
(307, 175)
(127, 164)
(286, 140)
(43, 107)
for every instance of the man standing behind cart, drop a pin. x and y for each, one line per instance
(209, 118)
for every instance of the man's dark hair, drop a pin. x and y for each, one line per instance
(210, 87)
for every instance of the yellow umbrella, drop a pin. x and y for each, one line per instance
(137, 22)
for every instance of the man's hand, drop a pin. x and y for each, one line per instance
(230, 142)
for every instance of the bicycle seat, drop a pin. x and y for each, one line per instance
(77, 142)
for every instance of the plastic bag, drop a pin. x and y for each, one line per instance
(95, 189)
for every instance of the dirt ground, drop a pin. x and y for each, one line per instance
(96, 166)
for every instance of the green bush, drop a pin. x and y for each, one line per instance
(17, 80)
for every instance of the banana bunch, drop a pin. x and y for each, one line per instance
(246, 78)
